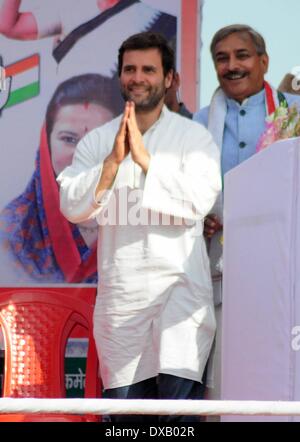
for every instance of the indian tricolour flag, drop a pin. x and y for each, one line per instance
(25, 82)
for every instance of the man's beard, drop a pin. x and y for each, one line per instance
(149, 103)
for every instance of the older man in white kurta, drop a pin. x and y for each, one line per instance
(154, 310)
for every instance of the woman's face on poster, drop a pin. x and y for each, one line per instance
(72, 122)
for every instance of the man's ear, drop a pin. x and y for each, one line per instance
(265, 62)
(169, 79)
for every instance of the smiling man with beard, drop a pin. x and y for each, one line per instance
(154, 322)
(236, 118)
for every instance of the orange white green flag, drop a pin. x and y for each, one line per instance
(25, 79)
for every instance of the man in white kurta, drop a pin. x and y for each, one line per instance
(154, 311)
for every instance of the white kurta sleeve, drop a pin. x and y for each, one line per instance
(187, 189)
(78, 182)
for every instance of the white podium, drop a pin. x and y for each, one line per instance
(261, 285)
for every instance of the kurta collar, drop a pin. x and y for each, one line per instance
(165, 113)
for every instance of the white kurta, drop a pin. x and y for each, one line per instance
(154, 310)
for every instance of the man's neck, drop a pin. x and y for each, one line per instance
(241, 100)
(146, 119)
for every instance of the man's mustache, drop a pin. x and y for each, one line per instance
(135, 84)
(232, 75)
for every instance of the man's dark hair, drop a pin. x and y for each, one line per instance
(256, 38)
(149, 40)
(87, 88)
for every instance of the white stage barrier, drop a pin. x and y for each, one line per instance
(138, 406)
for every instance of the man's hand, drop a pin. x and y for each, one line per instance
(121, 144)
(211, 225)
(139, 153)
(115, 158)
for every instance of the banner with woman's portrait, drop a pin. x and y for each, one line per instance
(59, 80)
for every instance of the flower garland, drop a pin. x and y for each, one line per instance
(283, 123)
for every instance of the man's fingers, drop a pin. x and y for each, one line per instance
(132, 126)
(212, 221)
(123, 125)
(132, 116)
(126, 112)
(211, 225)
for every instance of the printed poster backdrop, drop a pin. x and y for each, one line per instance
(57, 86)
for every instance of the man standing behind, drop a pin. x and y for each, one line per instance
(236, 118)
(154, 322)
(172, 99)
